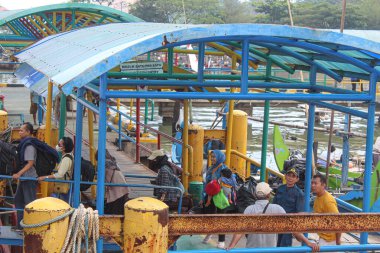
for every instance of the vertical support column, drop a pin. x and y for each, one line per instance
(310, 141)
(146, 114)
(346, 152)
(201, 61)
(90, 118)
(101, 151)
(118, 115)
(244, 67)
(170, 60)
(49, 107)
(185, 151)
(78, 148)
(62, 116)
(39, 110)
(231, 104)
(264, 143)
(137, 130)
(368, 151)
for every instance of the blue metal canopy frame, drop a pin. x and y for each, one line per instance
(88, 58)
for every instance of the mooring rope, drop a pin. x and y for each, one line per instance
(84, 225)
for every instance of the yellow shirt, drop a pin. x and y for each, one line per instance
(326, 204)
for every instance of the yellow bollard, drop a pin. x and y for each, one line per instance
(48, 238)
(196, 136)
(3, 120)
(239, 141)
(145, 226)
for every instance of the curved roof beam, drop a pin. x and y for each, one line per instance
(303, 58)
(319, 49)
(8, 16)
(230, 53)
(265, 56)
(98, 49)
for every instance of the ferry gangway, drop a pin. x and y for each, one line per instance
(276, 41)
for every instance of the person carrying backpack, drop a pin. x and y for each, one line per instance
(65, 146)
(26, 190)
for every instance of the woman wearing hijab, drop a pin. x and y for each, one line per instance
(214, 173)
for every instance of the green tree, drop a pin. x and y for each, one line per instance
(370, 9)
(178, 11)
(271, 11)
(235, 11)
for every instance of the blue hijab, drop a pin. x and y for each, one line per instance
(220, 158)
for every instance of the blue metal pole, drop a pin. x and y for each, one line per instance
(244, 67)
(78, 149)
(346, 248)
(238, 96)
(224, 120)
(39, 110)
(201, 61)
(101, 151)
(310, 140)
(119, 131)
(368, 150)
(346, 152)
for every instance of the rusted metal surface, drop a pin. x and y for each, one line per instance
(33, 243)
(111, 226)
(215, 134)
(262, 223)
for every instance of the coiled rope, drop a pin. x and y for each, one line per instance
(84, 225)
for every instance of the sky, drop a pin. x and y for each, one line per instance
(25, 4)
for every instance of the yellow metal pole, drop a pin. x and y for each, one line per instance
(130, 111)
(49, 238)
(239, 142)
(230, 121)
(49, 106)
(48, 132)
(196, 137)
(116, 118)
(145, 226)
(185, 139)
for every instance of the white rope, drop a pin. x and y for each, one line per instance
(84, 226)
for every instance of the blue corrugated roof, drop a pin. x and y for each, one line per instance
(77, 57)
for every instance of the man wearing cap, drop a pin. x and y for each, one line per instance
(158, 161)
(262, 206)
(290, 197)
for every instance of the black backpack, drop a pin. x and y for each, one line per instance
(47, 157)
(245, 196)
(87, 174)
(9, 158)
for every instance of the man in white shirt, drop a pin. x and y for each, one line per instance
(262, 206)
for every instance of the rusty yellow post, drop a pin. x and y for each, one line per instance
(239, 142)
(48, 238)
(3, 120)
(196, 136)
(116, 118)
(145, 226)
